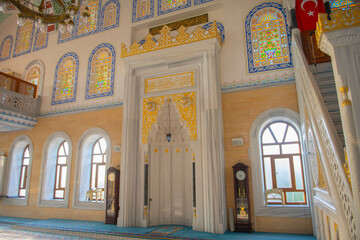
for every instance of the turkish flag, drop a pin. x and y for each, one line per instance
(307, 13)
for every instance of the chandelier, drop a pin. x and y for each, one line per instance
(43, 12)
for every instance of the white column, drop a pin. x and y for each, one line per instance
(344, 48)
(129, 171)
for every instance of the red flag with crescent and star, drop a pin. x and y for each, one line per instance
(307, 13)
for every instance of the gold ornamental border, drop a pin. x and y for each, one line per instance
(340, 19)
(167, 41)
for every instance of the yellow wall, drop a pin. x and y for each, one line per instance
(74, 125)
(240, 109)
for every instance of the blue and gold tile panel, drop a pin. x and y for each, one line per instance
(267, 38)
(110, 15)
(24, 38)
(101, 19)
(198, 2)
(6, 46)
(101, 71)
(41, 40)
(253, 82)
(142, 9)
(168, 6)
(65, 83)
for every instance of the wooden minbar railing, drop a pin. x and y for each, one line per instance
(18, 85)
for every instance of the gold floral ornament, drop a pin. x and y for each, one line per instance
(166, 41)
(344, 90)
(340, 19)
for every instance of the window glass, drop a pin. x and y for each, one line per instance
(24, 38)
(65, 80)
(23, 172)
(267, 38)
(98, 166)
(61, 171)
(282, 162)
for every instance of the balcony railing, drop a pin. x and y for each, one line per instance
(18, 96)
(14, 84)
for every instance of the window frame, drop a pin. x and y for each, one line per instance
(21, 181)
(83, 168)
(48, 167)
(58, 173)
(290, 158)
(257, 127)
(103, 163)
(12, 171)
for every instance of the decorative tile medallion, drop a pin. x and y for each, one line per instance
(185, 103)
(176, 81)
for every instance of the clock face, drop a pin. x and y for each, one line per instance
(240, 175)
(111, 177)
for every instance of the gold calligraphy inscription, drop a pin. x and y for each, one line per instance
(176, 81)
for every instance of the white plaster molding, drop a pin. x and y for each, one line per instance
(339, 38)
(210, 171)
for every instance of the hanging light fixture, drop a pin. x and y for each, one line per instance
(41, 14)
(168, 134)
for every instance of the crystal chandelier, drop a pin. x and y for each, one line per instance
(42, 12)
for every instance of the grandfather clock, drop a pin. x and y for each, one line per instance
(112, 195)
(242, 202)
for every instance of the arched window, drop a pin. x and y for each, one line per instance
(142, 9)
(110, 13)
(94, 159)
(24, 38)
(282, 162)
(65, 83)
(101, 67)
(91, 25)
(18, 172)
(23, 171)
(267, 38)
(61, 170)
(55, 171)
(6, 46)
(41, 39)
(277, 164)
(34, 73)
(98, 165)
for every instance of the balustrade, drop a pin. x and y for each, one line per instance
(18, 85)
